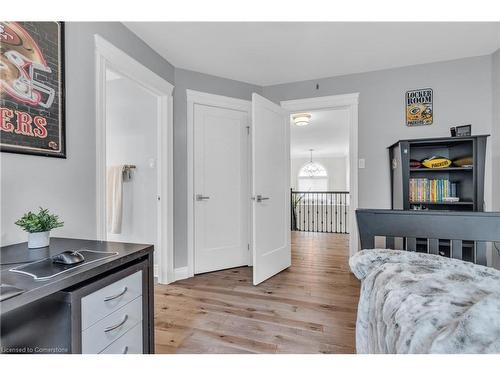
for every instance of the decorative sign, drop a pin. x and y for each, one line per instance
(419, 107)
(32, 88)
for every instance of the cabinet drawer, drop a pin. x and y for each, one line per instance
(129, 343)
(104, 301)
(107, 330)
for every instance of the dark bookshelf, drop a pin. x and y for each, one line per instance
(469, 180)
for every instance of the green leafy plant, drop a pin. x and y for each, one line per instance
(41, 222)
(296, 199)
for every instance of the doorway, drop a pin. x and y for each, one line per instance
(131, 161)
(218, 182)
(256, 198)
(221, 186)
(133, 155)
(322, 201)
(319, 178)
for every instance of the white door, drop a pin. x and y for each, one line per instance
(270, 189)
(221, 188)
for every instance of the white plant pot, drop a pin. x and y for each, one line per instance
(39, 239)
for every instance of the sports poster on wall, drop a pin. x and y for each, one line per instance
(32, 88)
(419, 109)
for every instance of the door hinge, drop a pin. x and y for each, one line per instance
(248, 130)
(248, 247)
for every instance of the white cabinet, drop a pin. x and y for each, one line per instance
(112, 327)
(104, 301)
(111, 312)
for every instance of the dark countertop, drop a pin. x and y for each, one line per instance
(35, 290)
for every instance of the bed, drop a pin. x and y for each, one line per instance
(415, 300)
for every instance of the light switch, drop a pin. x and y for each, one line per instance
(361, 163)
(152, 162)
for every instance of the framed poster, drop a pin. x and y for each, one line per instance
(32, 88)
(419, 109)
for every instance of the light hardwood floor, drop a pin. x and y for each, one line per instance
(308, 308)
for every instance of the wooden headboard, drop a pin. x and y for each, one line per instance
(460, 235)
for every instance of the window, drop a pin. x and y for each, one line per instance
(313, 177)
(313, 184)
(313, 169)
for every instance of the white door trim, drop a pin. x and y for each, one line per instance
(109, 56)
(349, 102)
(197, 97)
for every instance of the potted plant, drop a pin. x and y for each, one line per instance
(39, 226)
(296, 199)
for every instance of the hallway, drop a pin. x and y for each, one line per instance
(308, 308)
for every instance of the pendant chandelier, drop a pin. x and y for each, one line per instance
(313, 169)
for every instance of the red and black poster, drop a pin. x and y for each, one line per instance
(32, 88)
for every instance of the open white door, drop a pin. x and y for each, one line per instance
(270, 189)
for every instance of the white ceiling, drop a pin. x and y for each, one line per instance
(279, 52)
(327, 134)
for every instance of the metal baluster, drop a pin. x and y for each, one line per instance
(341, 225)
(339, 221)
(297, 211)
(326, 212)
(308, 212)
(334, 213)
(313, 211)
(302, 213)
(322, 228)
(331, 213)
(317, 212)
(318, 217)
(345, 213)
(348, 213)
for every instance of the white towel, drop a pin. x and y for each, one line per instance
(114, 201)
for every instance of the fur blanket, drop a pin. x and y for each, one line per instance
(421, 303)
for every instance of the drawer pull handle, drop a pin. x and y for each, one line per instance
(125, 350)
(117, 325)
(110, 298)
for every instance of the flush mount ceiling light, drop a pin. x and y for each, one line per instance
(301, 119)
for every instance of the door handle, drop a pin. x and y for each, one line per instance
(201, 197)
(259, 198)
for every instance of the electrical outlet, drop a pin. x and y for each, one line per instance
(361, 163)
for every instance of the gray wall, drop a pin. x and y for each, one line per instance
(496, 129)
(185, 79)
(496, 143)
(462, 95)
(67, 186)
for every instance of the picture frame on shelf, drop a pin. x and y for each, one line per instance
(461, 131)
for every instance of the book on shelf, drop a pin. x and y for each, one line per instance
(431, 190)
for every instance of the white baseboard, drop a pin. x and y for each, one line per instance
(156, 270)
(181, 273)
